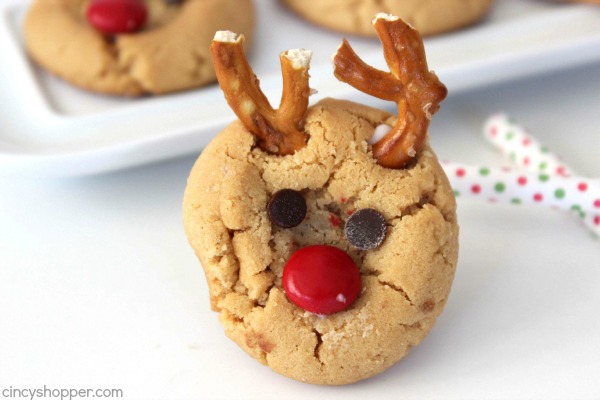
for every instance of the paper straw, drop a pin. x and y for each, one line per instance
(516, 144)
(508, 185)
(540, 176)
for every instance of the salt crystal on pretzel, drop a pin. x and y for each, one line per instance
(300, 58)
(387, 17)
(225, 36)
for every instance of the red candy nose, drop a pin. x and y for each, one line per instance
(117, 16)
(321, 279)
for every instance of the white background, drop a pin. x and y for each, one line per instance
(99, 288)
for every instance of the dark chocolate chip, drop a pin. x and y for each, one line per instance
(287, 208)
(366, 229)
(173, 1)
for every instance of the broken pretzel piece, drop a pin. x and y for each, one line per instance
(279, 131)
(409, 83)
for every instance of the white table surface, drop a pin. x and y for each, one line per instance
(99, 288)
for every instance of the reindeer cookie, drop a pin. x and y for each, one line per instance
(328, 258)
(131, 47)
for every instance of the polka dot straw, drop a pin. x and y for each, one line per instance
(515, 143)
(540, 177)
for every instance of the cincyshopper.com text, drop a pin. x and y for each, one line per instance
(63, 394)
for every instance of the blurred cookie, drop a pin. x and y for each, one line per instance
(429, 17)
(170, 52)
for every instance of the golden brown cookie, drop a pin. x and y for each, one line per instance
(327, 257)
(169, 54)
(405, 282)
(429, 17)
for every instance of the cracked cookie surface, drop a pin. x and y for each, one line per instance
(405, 282)
(429, 17)
(170, 54)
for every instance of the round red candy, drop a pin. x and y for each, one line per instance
(321, 279)
(117, 16)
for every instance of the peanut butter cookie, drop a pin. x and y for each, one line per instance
(327, 256)
(429, 17)
(167, 51)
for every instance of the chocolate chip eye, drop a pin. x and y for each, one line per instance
(287, 208)
(366, 229)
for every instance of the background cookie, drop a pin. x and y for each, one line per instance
(406, 281)
(170, 54)
(427, 16)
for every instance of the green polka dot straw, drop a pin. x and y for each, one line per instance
(523, 149)
(539, 176)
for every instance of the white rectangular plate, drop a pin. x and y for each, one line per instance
(49, 128)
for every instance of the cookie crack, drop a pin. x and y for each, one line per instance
(318, 346)
(121, 66)
(440, 250)
(392, 286)
(412, 209)
(360, 117)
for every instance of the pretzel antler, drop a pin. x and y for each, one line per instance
(278, 131)
(409, 83)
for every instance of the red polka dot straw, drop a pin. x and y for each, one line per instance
(541, 178)
(511, 138)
